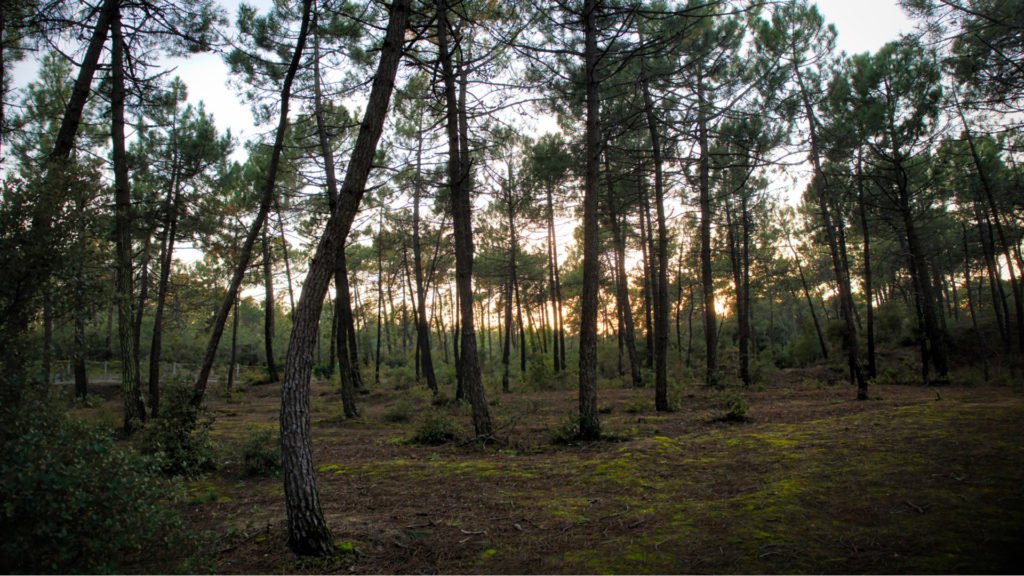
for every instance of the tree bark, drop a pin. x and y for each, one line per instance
(166, 258)
(459, 183)
(308, 533)
(134, 407)
(589, 425)
(706, 273)
(268, 309)
(267, 198)
(622, 297)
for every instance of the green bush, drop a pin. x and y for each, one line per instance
(567, 431)
(400, 411)
(735, 407)
(180, 438)
(437, 428)
(323, 371)
(73, 500)
(261, 453)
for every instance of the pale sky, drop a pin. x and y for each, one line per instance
(863, 25)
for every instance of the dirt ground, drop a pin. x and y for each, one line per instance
(915, 480)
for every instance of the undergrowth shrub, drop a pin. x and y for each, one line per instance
(567, 431)
(400, 411)
(261, 452)
(735, 407)
(437, 428)
(180, 438)
(75, 501)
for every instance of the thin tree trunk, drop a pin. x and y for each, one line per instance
(661, 254)
(163, 284)
(622, 297)
(267, 198)
(234, 345)
(426, 361)
(707, 275)
(810, 302)
(134, 407)
(872, 362)
(268, 311)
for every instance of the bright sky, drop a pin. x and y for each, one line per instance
(863, 25)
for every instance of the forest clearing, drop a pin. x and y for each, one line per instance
(551, 286)
(916, 480)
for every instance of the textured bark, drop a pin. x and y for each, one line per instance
(590, 426)
(134, 407)
(308, 533)
(468, 369)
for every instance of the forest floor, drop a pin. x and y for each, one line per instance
(915, 480)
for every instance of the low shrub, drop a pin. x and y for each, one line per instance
(74, 500)
(437, 428)
(735, 407)
(400, 411)
(180, 438)
(261, 452)
(567, 431)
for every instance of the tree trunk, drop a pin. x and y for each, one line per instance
(840, 269)
(163, 283)
(134, 407)
(622, 297)
(661, 255)
(872, 362)
(267, 198)
(810, 302)
(706, 273)
(506, 349)
(268, 310)
(589, 425)
(234, 345)
(426, 361)
(461, 201)
(16, 316)
(308, 533)
(556, 316)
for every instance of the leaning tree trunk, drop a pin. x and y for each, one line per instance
(134, 407)
(308, 533)
(163, 282)
(266, 200)
(840, 269)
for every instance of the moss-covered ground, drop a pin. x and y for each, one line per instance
(915, 480)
